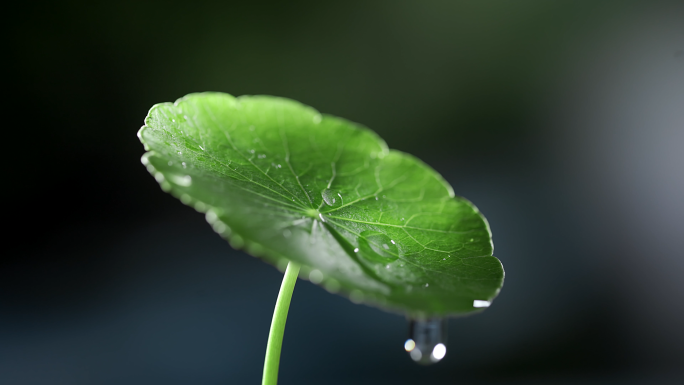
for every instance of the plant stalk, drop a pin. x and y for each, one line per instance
(275, 336)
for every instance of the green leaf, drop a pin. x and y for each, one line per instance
(287, 183)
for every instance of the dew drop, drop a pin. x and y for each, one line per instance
(332, 285)
(427, 340)
(377, 247)
(181, 180)
(332, 198)
(481, 303)
(316, 276)
(356, 296)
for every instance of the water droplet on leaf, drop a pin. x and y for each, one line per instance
(481, 303)
(377, 247)
(332, 198)
(181, 180)
(316, 276)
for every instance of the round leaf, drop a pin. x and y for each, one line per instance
(290, 184)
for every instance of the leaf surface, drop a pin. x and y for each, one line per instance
(288, 183)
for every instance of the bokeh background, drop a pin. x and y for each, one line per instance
(563, 121)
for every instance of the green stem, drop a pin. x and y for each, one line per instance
(275, 337)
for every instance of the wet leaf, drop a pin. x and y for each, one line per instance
(286, 183)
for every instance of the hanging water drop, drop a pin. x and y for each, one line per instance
(427, 340)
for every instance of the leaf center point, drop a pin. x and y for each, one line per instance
(313, 213)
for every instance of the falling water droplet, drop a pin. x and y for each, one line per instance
(427, 340)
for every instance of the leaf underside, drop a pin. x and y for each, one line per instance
(289, 184)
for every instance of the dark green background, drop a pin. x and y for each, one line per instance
(111, 281)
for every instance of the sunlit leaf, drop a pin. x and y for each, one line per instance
(288, 183)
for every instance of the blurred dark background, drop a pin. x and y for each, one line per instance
(563, 121)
